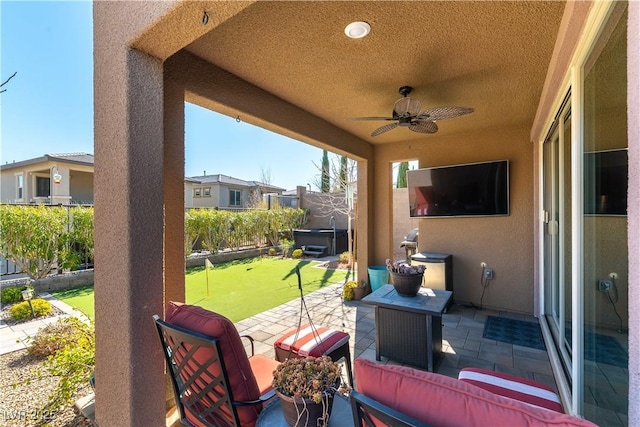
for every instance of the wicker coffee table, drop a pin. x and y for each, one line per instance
(409, 329)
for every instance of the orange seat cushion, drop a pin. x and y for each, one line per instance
(313, 341)
(262, 368)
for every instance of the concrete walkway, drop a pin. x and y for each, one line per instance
(16, 337)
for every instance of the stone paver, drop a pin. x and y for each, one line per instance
(463, 344)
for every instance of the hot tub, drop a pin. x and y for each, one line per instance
(323, 237)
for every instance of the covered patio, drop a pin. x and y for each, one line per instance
(289, 67)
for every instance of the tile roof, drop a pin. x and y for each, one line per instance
(75, 158)
(229, 180)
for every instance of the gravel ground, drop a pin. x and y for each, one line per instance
(23, 394)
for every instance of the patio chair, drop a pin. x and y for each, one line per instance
(214, 382)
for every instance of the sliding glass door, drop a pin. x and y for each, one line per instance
(557, 232)
(604, 226)
(584, 225)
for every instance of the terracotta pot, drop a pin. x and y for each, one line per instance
(299, 412)
(406, 285)
(360, 292)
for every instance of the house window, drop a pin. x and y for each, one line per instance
(197, 192)
(43, 186)
(206, 192)
(234, 198)
(20, 186)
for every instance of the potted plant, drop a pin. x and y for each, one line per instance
(406, 278)
(354, 290)
(306, 388)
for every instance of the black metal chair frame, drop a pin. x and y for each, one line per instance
(194, 392)
(363, 408)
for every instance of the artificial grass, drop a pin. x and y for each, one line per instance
(78, 298)
(237, 289)
(243, 288)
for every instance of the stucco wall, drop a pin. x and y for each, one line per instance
(320, 211)
(8, 186)
(505, 243)
(81, 186)
(402, 222)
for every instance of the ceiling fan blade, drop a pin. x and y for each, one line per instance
(442, 113)
(383, 129)
(406, 106)
(424, 126)
(371, 118)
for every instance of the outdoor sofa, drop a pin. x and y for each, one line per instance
(400, 395)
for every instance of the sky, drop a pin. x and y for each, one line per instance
(48, 106)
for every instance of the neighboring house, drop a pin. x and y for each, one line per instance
(222, 191)
(68, 179)
(50, 179)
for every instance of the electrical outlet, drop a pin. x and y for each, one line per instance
(604, 285)
(483, 264)
(488, 274)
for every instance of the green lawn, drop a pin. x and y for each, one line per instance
(237, 289)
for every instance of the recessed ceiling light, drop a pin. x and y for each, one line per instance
(357, 30)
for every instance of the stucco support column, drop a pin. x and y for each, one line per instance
(365, 234)
(173, 189)
(174, 157)
(128, 109)
(633, 117)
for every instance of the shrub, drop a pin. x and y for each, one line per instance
(52, 338)
(286, 245)
(297, 254)
(74, 364)
(11, 295)
(347, 290)
(344, 257)
(22, 310)
(272, 251)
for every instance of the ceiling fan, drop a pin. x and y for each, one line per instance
(406, 113)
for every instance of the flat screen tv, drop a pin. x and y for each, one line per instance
(474, 189)
(606, 175)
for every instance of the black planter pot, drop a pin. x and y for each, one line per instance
(406, 285)
(299, 412)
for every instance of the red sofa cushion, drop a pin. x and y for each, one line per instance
(522, 389)
(241, 378)
(442, 401)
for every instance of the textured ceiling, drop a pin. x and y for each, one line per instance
(492, 56)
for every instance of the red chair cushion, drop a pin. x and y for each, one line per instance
(522, 389)
(442, 401)
(241, 378)
(313, 341)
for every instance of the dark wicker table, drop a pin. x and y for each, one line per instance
(409, 329)
(341, 416)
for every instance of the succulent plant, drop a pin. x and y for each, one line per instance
(402, 267)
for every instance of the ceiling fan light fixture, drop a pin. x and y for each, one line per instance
(357, 30)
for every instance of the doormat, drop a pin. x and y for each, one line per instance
(603, 349)
(516, 332)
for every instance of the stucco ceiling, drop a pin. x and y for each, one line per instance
(491, 56)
